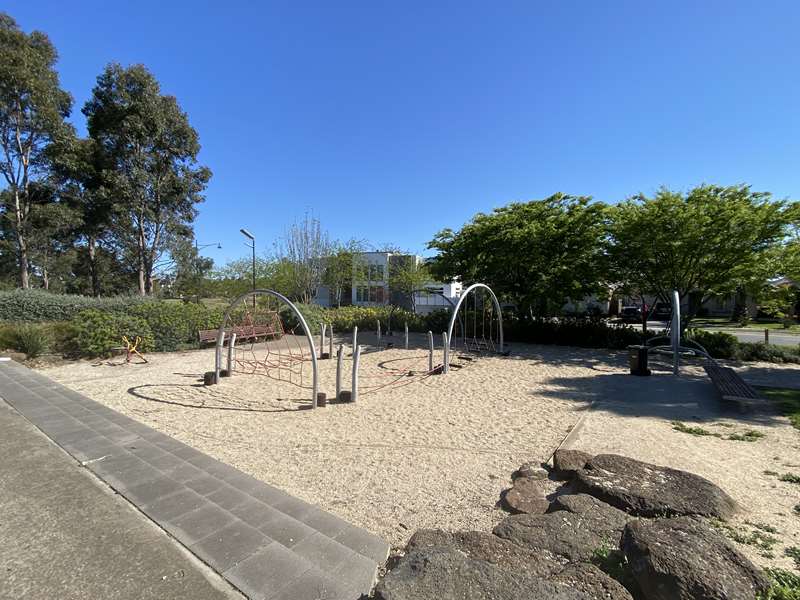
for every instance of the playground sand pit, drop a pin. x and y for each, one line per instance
(413, 451)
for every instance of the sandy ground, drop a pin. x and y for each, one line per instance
(437, 451)
(634, 416)
(431, 451)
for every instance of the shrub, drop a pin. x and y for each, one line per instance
(344, 318)
(585, 333)
(32, 340)
(759, 351)
(718, 344)
(97, 332)
(39, 305)
(174, 325)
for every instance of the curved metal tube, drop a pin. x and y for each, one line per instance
(458, 306)
(306, 330)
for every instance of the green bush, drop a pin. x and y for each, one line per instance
(785, 585)
(174, 325)
(96, 332)
(344, 318)
(32, 340)
(35, 306)
(718, 343)
(759, 351)
(581, 332)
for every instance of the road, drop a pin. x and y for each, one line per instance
(776, 336)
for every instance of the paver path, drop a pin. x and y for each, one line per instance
(268, 544)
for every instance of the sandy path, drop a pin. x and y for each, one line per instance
(424, 452)
(635, 420)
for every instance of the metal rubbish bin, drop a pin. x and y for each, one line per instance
(637, 357)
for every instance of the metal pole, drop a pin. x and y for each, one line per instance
(339, 359)
(231, 344)
(379, 334)
(676, 332)
(330, 340)
(356, 357)
(355, 338)
(406, 338)
(446, 354)
(430, 351)
(322, 327)
(218, 357)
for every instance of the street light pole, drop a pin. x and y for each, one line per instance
(252, 244)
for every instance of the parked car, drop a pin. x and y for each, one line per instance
(662, 311)
(630, 314)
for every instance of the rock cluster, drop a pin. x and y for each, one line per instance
(646, 518)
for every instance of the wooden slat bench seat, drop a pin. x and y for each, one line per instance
(207, 336)
(732, 388)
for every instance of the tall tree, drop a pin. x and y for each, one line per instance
(711, 241)
(305, 249)
(150, 155)
(535, 254)
(340, 267)
(406, 276)
(32, 112)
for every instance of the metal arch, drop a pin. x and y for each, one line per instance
(463, 297)
(306, 330)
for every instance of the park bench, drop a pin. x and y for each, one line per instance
(207, 336)
(732, 388)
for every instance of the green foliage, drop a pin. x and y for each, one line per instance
(614, 564)
(788, 402)
(536, 254)
(174, 325)
(785, 585)
(749, 435)
(585, 333)
(717, 343)
(31, 339)
(758, 351)
(790, 478)
(793, 552)
(699, 431)
(38, 305)
(344, 318)
(759, 537)
(96, 333)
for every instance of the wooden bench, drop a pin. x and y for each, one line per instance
(206, 336)
(732, 388)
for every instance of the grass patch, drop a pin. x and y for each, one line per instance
(759, 538)
(787, 400)
(614, 564)
(772, 473)
(797, 509)
(790, 478)
(785, 585)
(794, 554)
(749, 435)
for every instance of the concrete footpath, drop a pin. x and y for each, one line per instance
(65, 534)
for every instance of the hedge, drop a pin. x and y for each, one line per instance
(344, 318)
(571, 331)
(34, 306)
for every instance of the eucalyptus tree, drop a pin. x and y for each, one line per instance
(33, 108)
(149, 154)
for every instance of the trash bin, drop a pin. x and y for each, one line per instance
(637, 357)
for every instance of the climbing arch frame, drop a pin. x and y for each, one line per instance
(254, 294)
(455, 315)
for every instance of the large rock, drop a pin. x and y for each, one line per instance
(652, 491)
(485, 546)
(447, 574)
(587, 578)
(527, 496)
(684, 559)
(531, 471)
(582, 526)
(566, 463)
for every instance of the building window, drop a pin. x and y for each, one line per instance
(375, 273)
(362, 294)
(373, 293)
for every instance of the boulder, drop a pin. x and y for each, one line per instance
(651, 491)
(566, 463)
(485, 546)
(447, 574)
(587, 578)
(527, 496)
(574, 534)
(529, 470)
(682, 558)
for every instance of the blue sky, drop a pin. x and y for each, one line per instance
(392, 120)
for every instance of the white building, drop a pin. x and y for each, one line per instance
(370, 286)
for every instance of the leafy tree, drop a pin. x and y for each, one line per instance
(149, 151)
(32, 112)
(406, 276)
(536, 254)
(303, 252)
(711, 241)
(341, 265)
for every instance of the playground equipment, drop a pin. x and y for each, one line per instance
(677, 345)
(261, 343)
(476, 323)
(130, 347)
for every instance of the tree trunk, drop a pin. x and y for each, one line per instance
(93, 266)
(22, 246)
